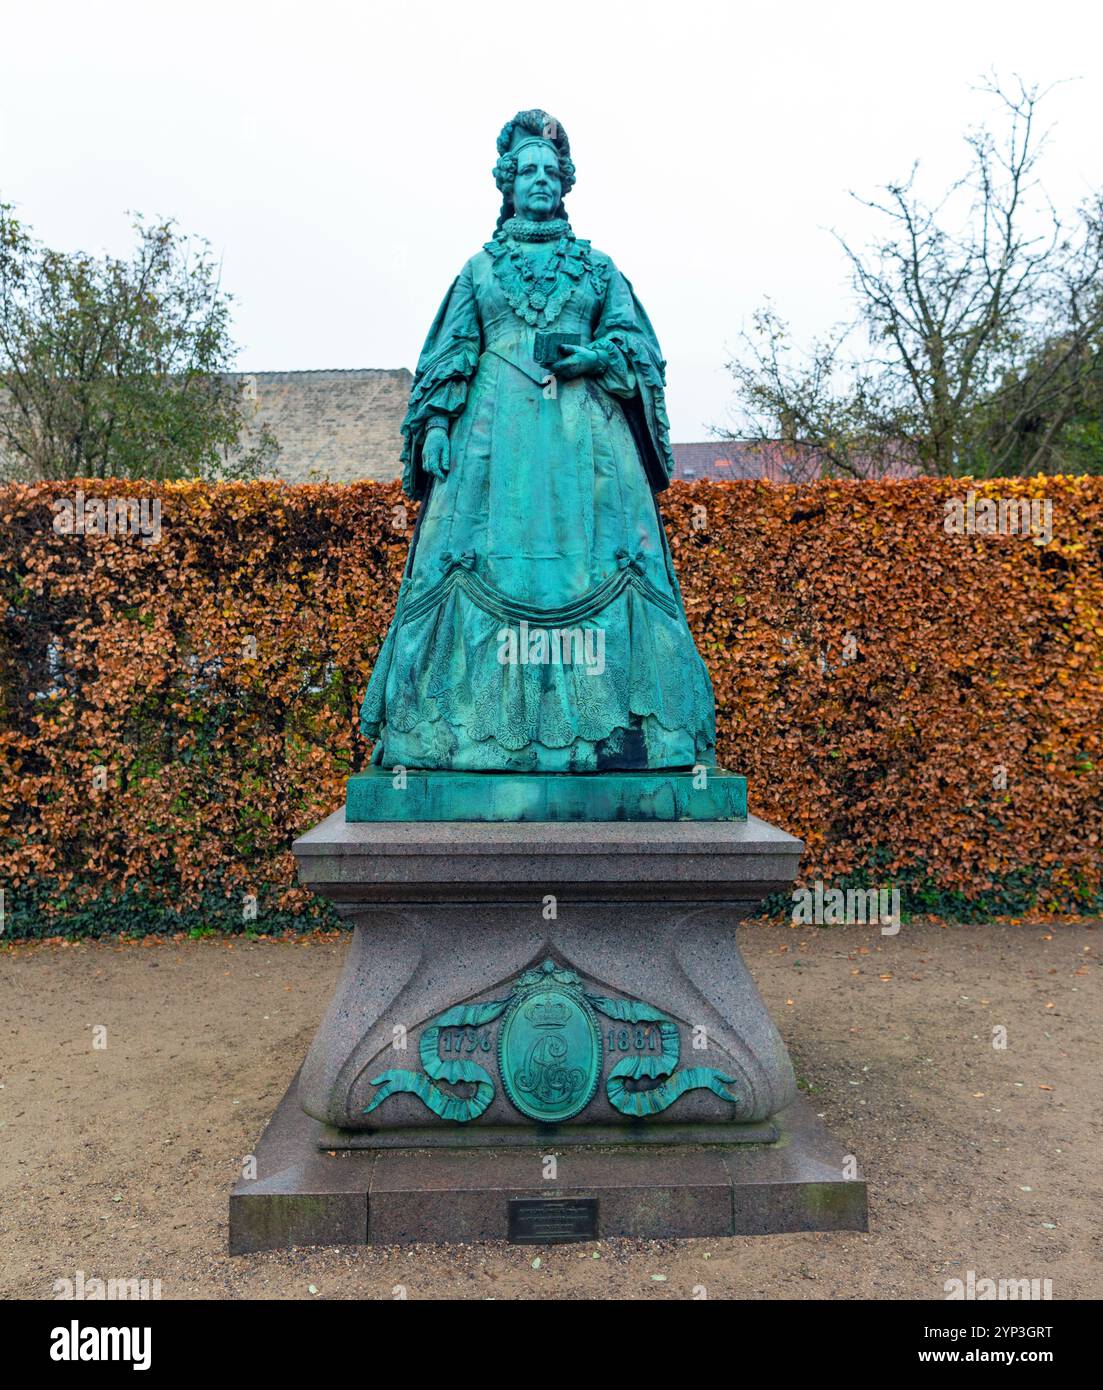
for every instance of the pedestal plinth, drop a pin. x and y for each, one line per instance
(516, 991)
(666, 794)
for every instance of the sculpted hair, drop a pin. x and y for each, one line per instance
(534, 122)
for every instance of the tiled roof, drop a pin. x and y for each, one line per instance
(720, 459)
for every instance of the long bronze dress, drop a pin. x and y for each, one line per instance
(546, 523)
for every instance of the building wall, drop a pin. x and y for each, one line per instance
(339, 426)
(331, 426)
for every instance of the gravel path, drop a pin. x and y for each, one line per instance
(117, 1161)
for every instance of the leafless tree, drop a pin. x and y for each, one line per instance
(982, 344)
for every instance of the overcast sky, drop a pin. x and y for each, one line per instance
(338, 155)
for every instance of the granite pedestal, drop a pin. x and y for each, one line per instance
(304, 1196)
(409, 1121)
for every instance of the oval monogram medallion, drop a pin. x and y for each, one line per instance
(550, 1054)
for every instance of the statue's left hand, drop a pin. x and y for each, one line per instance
(435, 452)
(580, 361)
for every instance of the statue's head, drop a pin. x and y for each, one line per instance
(534, 169)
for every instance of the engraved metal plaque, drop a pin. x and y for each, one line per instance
(552, 1220)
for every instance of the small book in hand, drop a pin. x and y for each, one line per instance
(550, 347)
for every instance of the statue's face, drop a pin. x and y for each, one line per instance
(537, 188)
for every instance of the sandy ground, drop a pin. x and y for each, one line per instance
(117, 1161)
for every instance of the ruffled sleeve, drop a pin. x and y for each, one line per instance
(444, 370)
(633, 370)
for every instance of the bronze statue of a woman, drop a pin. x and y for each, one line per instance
(540, 626)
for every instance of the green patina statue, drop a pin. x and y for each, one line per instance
(540, 626)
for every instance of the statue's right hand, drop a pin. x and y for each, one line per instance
(434, 452)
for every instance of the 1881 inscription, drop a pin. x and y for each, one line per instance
(552, 1220)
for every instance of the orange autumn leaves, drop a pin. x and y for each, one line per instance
(173, 714)
(914, 704)
(909, 702)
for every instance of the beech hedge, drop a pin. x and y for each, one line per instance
(909, 673)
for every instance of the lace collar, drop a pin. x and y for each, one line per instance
(522, 229)
(537, 295)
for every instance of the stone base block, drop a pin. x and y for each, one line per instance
(306, 1196)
